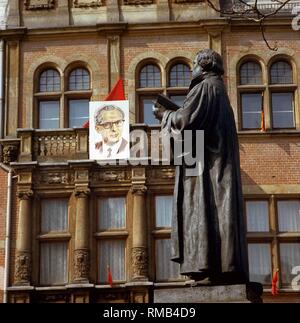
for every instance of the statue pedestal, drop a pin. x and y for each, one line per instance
(244, 293)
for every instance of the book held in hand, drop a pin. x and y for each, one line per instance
(167, 103)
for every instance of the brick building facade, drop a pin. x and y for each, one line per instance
(59, 202)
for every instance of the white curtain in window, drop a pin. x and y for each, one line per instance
(53, 263)
(289, 258)
(111, 253)
(54, 215)
(165, 268)
(260, 262)
(289, 215)
(257, 216)
(163, 210)
(112, 213)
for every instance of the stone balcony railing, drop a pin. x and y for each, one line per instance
(60, 145)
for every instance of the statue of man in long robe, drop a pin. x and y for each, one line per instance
(208, 231)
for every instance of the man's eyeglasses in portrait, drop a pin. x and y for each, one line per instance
(109, 125)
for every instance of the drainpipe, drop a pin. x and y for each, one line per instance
(7, 231)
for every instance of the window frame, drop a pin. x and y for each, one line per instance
(274, 236)
(56, 236)
(111, 234)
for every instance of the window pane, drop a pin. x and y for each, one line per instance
(281, 72)
(289, 216)
(112, 213)
(178, 99)
(150, 76)
(289, 258)
(147, 105)
(251, 110)
(282, 110)
(79, 80)
(180, 75)
(49, 81)
(54, 215)
(257, 216)
(111, 253)
(250, 73)
(78, 112)
(165, 268)
(53, 263)
(163, 210)
(260, 262)
(49, 115)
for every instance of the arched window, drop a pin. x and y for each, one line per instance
(251, 94)
(49, 81)
(281, 73)
(150, 76)
(250, 73)
(79, 79)
(180, 76)
(49, 99)
(78, 103)
(282, 98)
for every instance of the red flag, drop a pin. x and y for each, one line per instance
(262, 126)
(116, 94)
(274, 283)
(109, 277)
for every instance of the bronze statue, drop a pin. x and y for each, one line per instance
(208, 230)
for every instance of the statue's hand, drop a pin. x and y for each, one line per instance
(158, 111)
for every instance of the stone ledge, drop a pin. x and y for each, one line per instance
(249, 293)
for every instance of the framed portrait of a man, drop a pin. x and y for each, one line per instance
(109, 130)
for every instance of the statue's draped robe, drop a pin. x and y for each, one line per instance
(208, 229)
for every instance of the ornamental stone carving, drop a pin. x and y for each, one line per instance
(25, 195)
(23, 268)
(139, 263)
(138, 2)
(82, 192)
(39, 4)
(9, 154)
(139, 189)
(87, 4)
(81, 265)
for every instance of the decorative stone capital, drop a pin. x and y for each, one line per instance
(139, 189)
(25, 195)
(140, 263)
(82, 192)
(81, 265)
(23, 268)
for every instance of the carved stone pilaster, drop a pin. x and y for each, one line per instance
(81, 265)
(23, 268)
(139, 263)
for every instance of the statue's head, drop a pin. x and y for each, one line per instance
(207, 60)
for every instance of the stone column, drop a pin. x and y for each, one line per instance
(23, 254)
(139, 237)
(81, 250)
